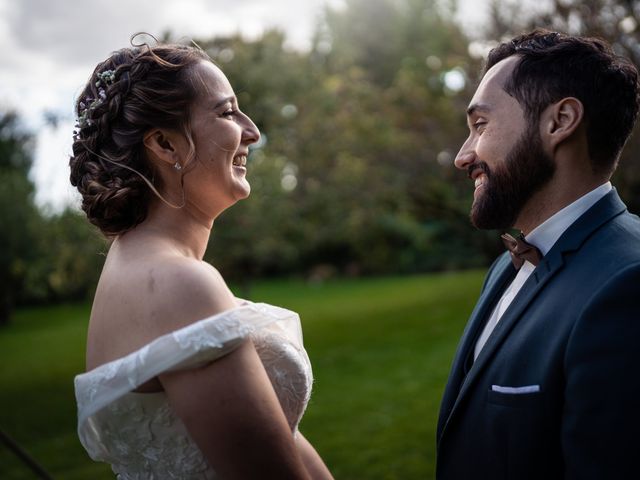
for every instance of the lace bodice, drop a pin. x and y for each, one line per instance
(138, 433)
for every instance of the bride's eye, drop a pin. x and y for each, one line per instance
(229, 113)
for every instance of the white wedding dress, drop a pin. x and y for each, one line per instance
(138, 433)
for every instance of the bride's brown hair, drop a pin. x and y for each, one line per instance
(133, 90)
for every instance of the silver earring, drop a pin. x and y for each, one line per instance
(177, 166)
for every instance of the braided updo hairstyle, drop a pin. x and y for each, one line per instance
(135, 89)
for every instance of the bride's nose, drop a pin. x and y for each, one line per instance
(250, 133)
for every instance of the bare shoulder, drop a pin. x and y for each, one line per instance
(148, 292)
(185, 290)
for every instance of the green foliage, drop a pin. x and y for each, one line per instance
(73, 256)
(19, 217)
(355, 174)
(44, 258)
(380, 348)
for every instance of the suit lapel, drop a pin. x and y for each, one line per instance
(545, 270)
(495, 287)
(502, 274)
(460, 385)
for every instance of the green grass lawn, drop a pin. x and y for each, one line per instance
(381, 350)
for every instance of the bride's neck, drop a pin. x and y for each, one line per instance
(186, 233)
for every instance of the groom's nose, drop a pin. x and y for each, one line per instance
(466, 156)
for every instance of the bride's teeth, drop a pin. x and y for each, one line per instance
(240, 161)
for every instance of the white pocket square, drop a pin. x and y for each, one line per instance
(516, 390)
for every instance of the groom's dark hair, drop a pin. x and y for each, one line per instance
(554, 66)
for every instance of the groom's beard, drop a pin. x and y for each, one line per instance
(509, 186)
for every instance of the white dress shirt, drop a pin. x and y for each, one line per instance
(544, 236)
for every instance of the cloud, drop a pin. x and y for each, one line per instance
(75, 33)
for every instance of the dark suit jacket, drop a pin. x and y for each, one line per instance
(573, 330)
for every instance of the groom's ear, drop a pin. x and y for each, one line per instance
(560, 121)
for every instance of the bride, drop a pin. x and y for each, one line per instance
(184, 380)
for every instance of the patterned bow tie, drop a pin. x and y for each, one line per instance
(520, 250)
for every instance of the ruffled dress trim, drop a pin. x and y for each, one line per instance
(189, 347)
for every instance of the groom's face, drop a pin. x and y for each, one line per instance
(503, 154)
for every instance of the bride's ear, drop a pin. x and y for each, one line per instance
(164, 147)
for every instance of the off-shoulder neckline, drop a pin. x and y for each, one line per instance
(194, 344)
(255, 307)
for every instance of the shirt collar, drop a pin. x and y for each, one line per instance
(545, 235)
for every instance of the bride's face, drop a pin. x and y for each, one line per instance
(221, 134)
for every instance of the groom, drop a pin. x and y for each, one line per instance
(545, 383)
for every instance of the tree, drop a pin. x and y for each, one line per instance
(19, 216)
(355, 174)
(72, 259)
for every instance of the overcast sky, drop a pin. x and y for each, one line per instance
(51, 46)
